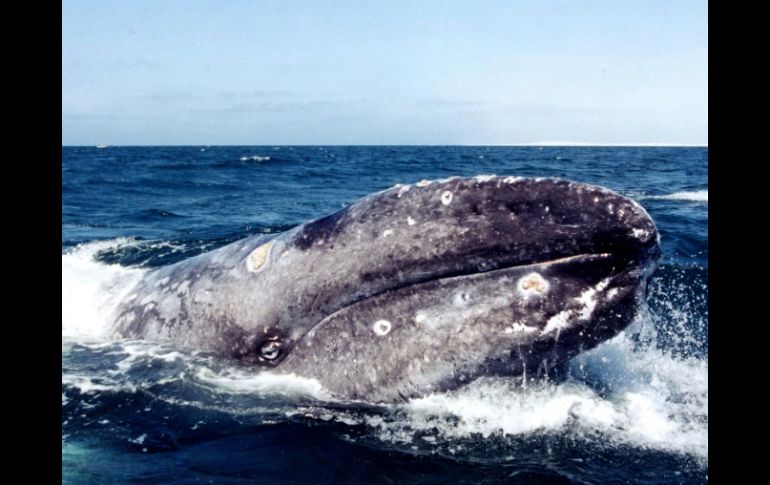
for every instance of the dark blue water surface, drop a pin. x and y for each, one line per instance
(633, 410)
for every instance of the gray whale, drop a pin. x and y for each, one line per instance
(416, 289)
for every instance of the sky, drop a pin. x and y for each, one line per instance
(387, 72)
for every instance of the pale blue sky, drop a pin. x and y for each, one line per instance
(384, 72)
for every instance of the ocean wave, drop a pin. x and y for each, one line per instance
(255, 158)
(92, 289)
(661, 404)
(693, 196)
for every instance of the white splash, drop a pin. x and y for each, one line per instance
(654, 401)
(240, 381)
(91, 289)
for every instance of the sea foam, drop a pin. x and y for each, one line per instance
(694, 196)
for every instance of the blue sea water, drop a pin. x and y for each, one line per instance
(633, 410)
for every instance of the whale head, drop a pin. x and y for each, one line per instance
(424, 287)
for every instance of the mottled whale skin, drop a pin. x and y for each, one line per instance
(416, 289)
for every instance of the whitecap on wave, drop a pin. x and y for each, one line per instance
(255, 158)
(91, 289)
(694, 196)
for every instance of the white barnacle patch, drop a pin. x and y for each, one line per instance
(511, 180)
(602, 285)
(589, 303)
(410, 221)
(402, 190)
(257, 258)
(430, 320)
(588, 299)
(204, 296)
(519, 328)
(612, 293)
(381, 327)
(163, 282)
(461, 299)
(557, 322)
(640, 233)
(183, 287)
(371, 373)
(596, 200)
(446, 197)
(387, 232)
(532, 284)
(423, 183)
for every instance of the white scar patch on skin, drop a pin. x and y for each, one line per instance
(532, 285)
(446, 197)
(510, 180)
(402, 190)
(387, 232)
(588, 299)
(381, 327)
(162, 282)
(519, 328)
(257, 258)
(557, 322)
(410, 221)
(183, 287)
(461, 299)
(428, 319)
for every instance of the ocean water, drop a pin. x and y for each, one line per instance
(633, 410)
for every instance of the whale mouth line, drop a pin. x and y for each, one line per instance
(576, 258)
(624, 265)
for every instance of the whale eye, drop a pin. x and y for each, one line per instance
(270, 350)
